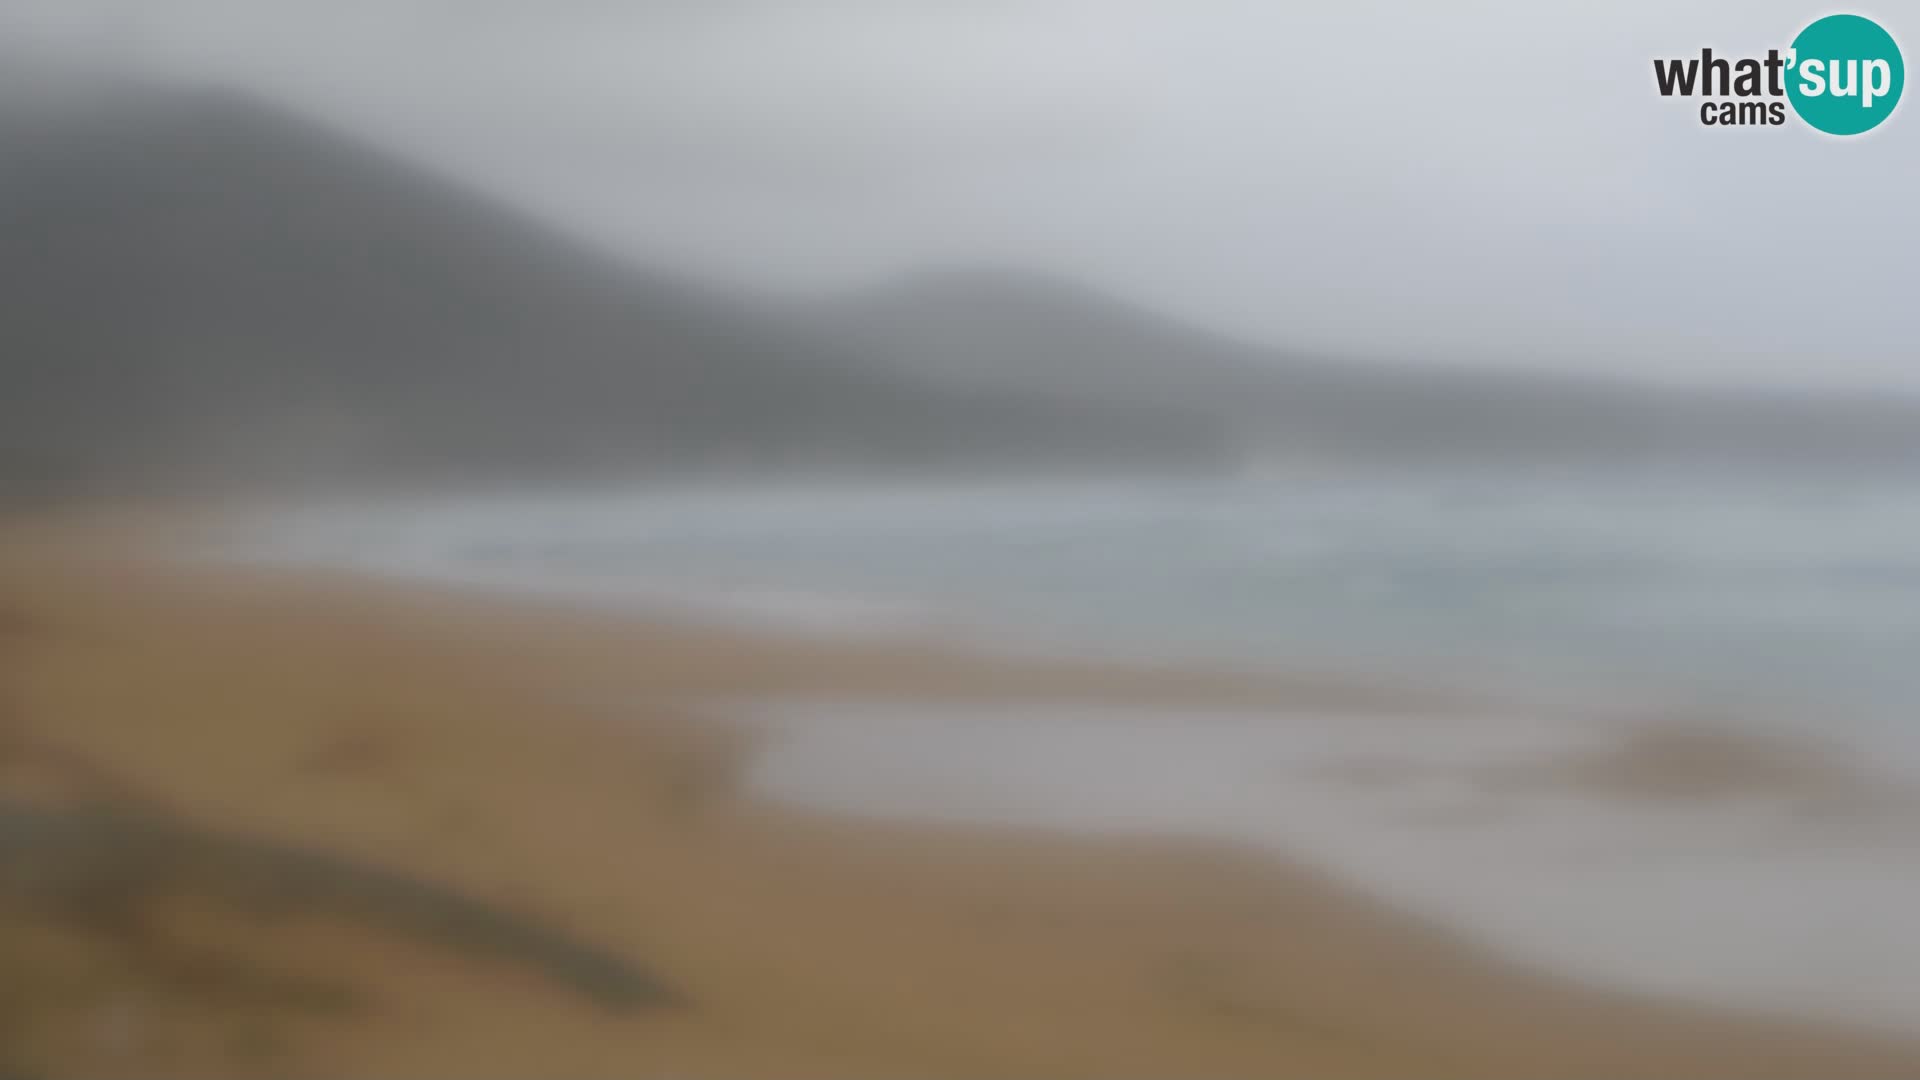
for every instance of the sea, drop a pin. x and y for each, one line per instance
(1787, 608)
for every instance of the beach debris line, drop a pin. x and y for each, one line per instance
(78, 861)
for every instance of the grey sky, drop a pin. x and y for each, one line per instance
(1486, 181)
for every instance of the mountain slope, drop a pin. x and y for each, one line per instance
(201, 290)
(1022, 333)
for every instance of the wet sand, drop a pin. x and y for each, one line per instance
(559, 766)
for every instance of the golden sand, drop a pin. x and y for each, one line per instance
(551, 763)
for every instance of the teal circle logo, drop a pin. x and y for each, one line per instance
(1845, 75)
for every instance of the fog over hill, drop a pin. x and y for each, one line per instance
(205, 291)
(202, 290)
(1006, 330)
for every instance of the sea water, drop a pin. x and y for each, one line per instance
(1778, 608)
(1793, 598)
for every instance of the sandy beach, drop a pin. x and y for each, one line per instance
(281, 777)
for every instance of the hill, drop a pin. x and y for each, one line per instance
(1016, 332)
(202, 290)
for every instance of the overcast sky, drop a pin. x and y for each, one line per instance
(1470, 182)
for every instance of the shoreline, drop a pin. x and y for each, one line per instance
(954, 625)
(509, 748)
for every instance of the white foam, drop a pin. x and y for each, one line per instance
(436, 546)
